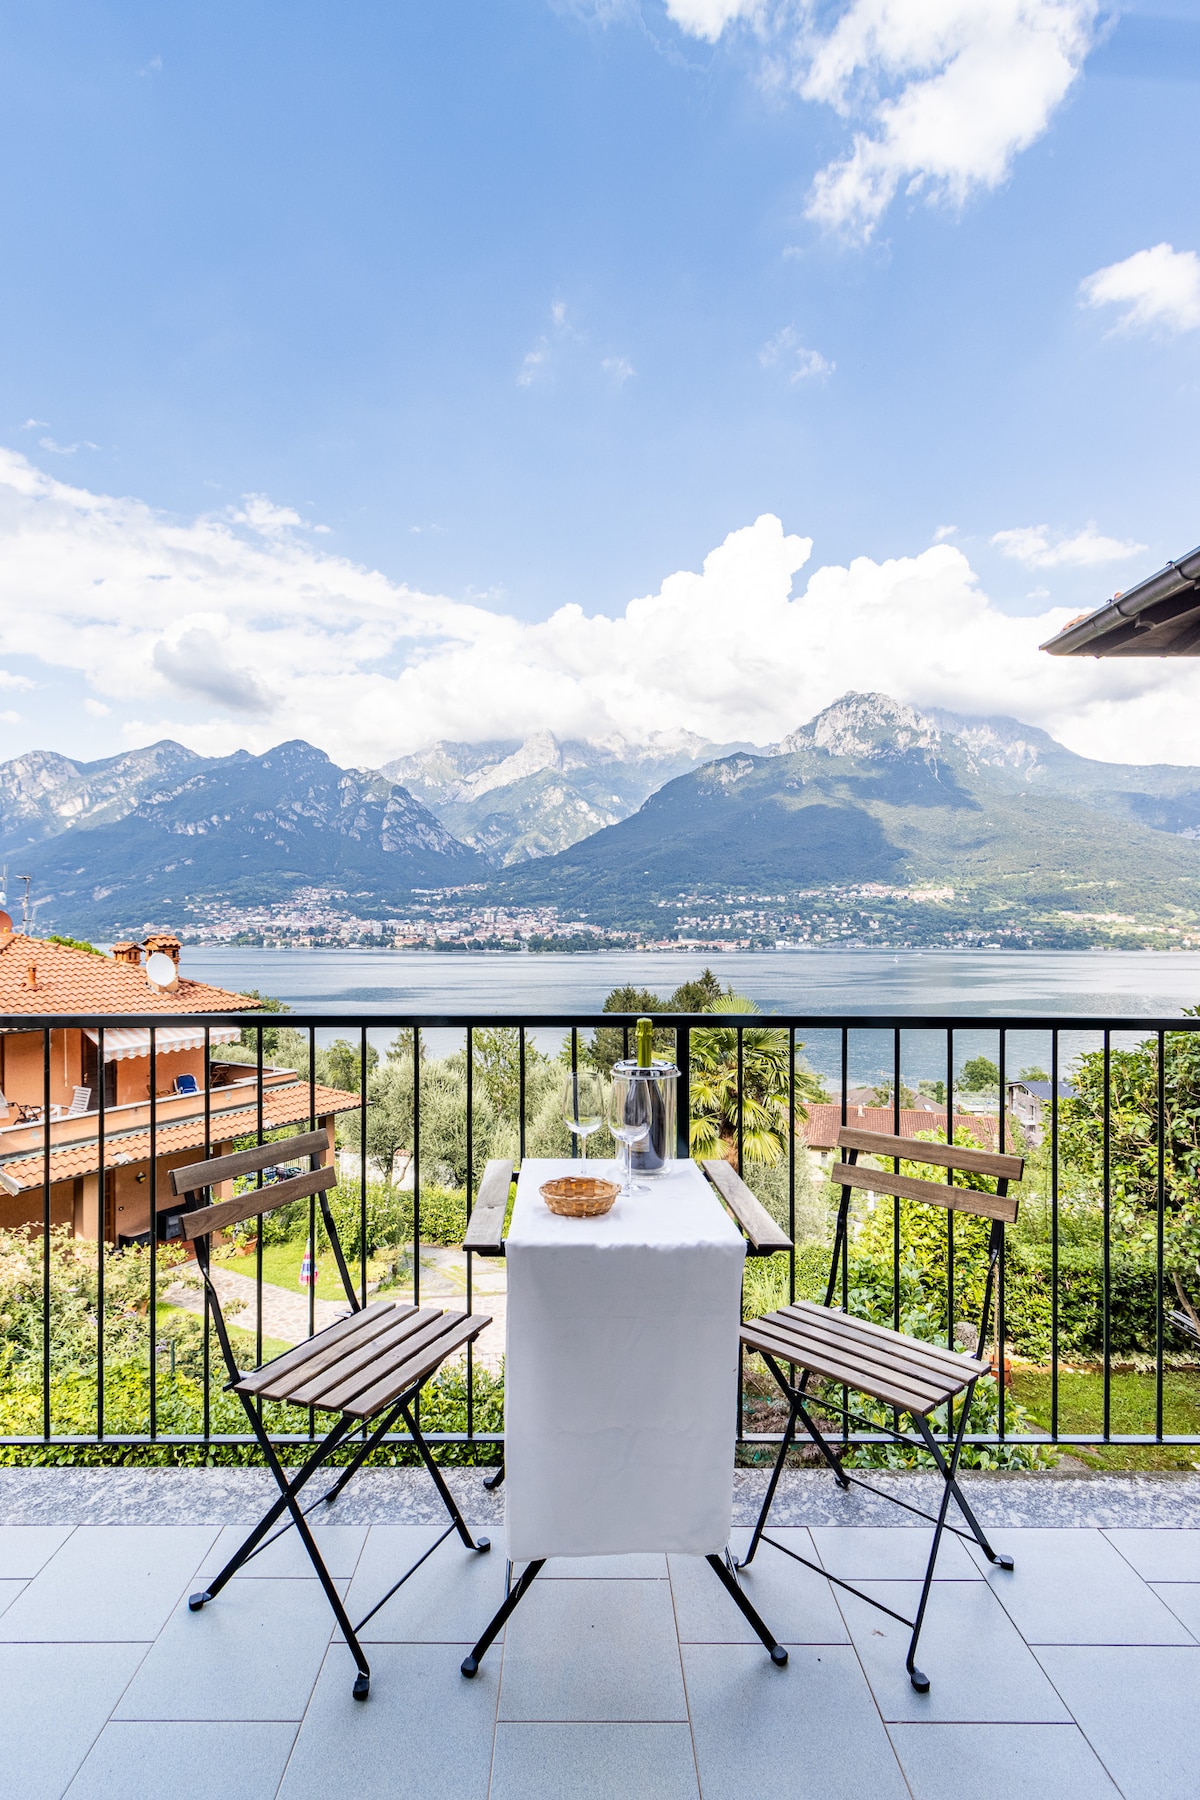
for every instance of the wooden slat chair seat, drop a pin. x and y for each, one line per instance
(806, 1341)
(367, 1368)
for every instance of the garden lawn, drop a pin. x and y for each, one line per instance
(282, 1264)
(1132, 1410)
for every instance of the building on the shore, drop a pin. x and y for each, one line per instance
(146, 1087)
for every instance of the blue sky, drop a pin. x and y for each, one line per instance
(532, 304)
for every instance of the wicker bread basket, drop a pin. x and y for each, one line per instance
(579, 1196)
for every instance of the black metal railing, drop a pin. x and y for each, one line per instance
(1095, 1331)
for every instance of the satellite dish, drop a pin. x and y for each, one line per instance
(161, 971)
(6, 923)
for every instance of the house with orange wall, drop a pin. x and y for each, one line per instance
(126, 1104)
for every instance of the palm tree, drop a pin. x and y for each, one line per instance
(765, 1089)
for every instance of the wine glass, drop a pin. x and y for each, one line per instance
(629, 1122)
(583, 1105)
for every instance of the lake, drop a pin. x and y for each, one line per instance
(1128, 984)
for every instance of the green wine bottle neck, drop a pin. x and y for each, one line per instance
(645, 1044)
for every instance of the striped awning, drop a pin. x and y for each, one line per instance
(122, 1044)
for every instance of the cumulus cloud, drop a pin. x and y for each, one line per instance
(1034, 546)
(786, 353)
(1156, 289)
(941, 95)
(211, 632)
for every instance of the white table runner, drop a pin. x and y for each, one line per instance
(620, 1381)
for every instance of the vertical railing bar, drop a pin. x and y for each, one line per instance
(1002, 1147)
(576, 1142)
(470, 1047)
(1054, 1234)
(205, 1361)
(258, 1181)
(46, 1229)
(845, 1423)
(521, 1090)
(896, 1121)
(312, 1205)
(416, 1168)
(363, 1078)
(949, 1213)
(792, 1164)
(153, 1297)
(101, 1237)
(1161, 1197)
(1107, 1249)
(741, 1076)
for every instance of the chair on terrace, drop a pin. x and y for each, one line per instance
(81, 1099)
(368, 1368)
(186, 1084)
(907, 1374)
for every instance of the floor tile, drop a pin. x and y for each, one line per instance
(1159, 1555)
(1138, 1709)
(139, 1761)
(1183, 1598)
(252, 1653)
(26, 1549)
(889, 1553)
(54, 1702)
(340, 1546)
(9, 1591)
(1073, 1587)
(593, 1650)
(796, 1603)
(998, 1762)
(594, 1762)
(809, 1730)
(645, 1567)
(448, 1601)
(424, 1733)
(108, 1582)
(977, 1665)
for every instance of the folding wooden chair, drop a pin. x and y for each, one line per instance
(905, 1373)
(368, 1367)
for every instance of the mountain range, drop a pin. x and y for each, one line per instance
(996, 816)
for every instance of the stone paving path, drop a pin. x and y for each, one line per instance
(624, 1678)
(284, 1314)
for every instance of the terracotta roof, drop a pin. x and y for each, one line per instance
(824, 1122)
(281, 1106)
(75, 981)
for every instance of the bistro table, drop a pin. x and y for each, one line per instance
(620, 1380)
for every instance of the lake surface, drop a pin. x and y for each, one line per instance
(991, 984)
(1064, 983)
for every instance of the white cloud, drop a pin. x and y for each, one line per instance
(10, 718)
(618, 369)
(1087, 549)
(1156, 289)
(943, 532)
(97, 709)
(708, 18)
(211, 632)
(8, 680)
(942, 94)
(785, 352)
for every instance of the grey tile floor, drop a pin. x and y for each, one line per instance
(1076, 1675)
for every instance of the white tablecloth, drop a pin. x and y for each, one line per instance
(620, 1383)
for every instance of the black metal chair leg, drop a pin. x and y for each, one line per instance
(729, 1582)
(919, 1680)
(493, 1481)
(818, 1438)
(470, 1664)
(481, 1544)
(275, 1512)
(777, 1471)
(361, 1455)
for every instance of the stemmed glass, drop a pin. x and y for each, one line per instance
(583, 1105)
(629, 1121)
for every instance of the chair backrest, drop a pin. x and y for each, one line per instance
(1001, 1206)
(196, 1178)
(186, 1084)
(81, 1099)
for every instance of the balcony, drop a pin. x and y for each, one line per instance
(1076, 1672)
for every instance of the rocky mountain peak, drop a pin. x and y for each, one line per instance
(864, 725)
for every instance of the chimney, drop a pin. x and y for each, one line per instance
(31, 976)
(127, 953)
(163, 943)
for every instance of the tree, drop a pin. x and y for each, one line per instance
(607, 1045)
(1034, 1075)
(1134, 1143)
(978, 1074)
(883, 1094)
(270, 1036)
(765, 1121)
(340, 1064)
(933, 1090)
(697, 996)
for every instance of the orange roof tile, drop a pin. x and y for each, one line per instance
(75, 981)
(281, 1106)
(824, 1122)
